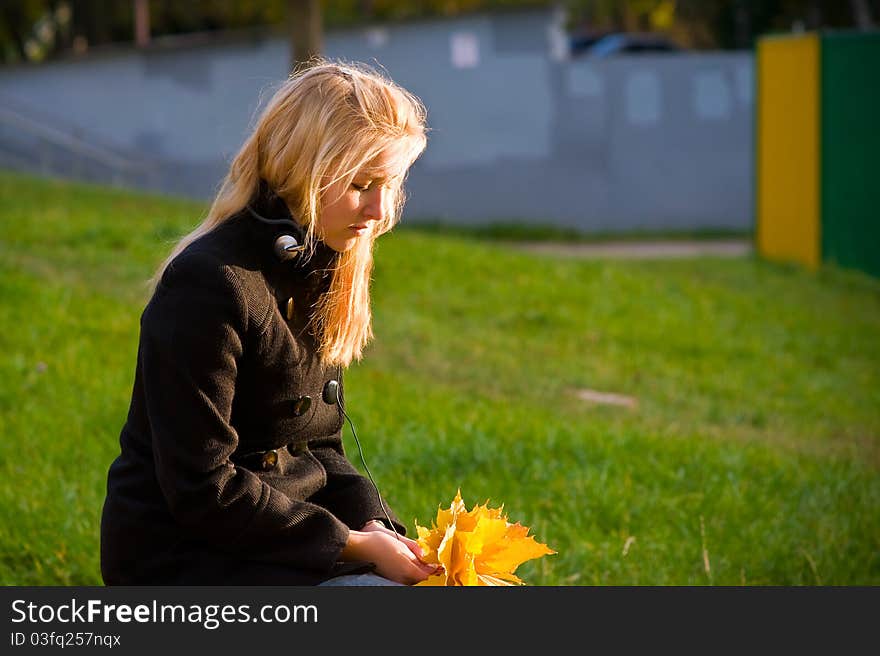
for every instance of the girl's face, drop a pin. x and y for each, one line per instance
(349, 214)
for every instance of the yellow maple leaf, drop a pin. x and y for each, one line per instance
(477, 546)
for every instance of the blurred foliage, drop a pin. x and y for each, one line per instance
(721, 24)
(37, 30)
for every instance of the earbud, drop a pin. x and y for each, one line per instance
(331, 392)
(287, 247)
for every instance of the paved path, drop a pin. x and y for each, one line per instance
(641, 249)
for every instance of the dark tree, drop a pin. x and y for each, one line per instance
(306, 30)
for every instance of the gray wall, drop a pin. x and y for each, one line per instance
(519, 131)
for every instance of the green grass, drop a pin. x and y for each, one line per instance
(755, 441)
(518, 231)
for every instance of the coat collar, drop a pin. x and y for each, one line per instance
(267, 204)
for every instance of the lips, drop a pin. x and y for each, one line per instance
(359, 226)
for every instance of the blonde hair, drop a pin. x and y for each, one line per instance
(323, 124)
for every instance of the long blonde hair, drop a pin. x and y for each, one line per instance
(322, 125)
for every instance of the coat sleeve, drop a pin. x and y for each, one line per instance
(349, 495)
(193, 334)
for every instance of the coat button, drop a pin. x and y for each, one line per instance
(331, 392)
(270, 459)
(302, 405)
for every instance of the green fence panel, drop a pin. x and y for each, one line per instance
(850, 150)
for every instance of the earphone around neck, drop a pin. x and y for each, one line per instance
(331, 396)
(286, 247)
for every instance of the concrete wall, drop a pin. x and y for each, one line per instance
(519, 132)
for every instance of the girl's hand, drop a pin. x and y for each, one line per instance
(412, 545)
(393, 557)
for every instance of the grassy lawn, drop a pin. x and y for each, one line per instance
(750, 454)
(512, 231)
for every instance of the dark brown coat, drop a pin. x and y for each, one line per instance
(220, 376)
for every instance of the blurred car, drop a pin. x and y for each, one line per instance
(629, 43)
(580, 43)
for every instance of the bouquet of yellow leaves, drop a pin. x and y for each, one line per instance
(476, 547)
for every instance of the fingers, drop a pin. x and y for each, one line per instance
(418, 569)
(411, 544)
(425, 569)
(414, 547)
(399, 558)
(418, 552)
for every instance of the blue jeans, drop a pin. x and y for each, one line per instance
(360, 579)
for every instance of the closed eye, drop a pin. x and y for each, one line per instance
(360, 188)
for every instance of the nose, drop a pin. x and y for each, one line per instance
(375, 208)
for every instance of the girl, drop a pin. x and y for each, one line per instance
(232, 468)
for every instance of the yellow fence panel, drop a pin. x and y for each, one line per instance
(787, 157)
